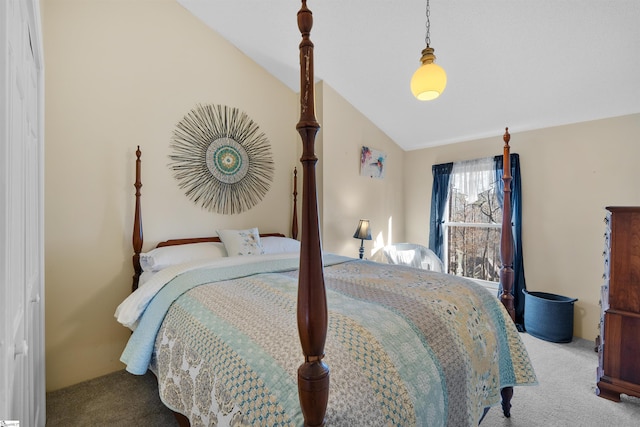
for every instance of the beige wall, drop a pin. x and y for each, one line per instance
(122, 73)
(119, 74)
(348, 196)
(569, 175)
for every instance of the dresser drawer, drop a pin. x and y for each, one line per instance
(622, 346)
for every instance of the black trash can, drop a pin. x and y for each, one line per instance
(548, 316)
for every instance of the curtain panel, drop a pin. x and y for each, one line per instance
(516, 224)
(439, 196)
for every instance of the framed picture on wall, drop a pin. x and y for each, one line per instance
(372, 162)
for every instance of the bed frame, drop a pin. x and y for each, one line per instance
(138, 235)
(313, 373)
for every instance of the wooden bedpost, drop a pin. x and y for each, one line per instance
(294, 221)
(313, 374)
(506, 244)
(137, 226)
(506, 253)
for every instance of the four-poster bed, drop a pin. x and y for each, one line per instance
(406, 346)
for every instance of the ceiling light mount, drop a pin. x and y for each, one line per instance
(429, 81)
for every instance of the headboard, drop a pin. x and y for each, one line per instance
(138, 235)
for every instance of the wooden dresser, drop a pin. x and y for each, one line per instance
(619, 344)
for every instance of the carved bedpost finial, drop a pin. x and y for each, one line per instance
(507, 136)
(307, 107)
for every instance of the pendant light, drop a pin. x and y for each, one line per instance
(429, 81)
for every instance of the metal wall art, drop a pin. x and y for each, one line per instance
(221, 159)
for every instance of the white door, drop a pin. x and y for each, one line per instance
(22, 377)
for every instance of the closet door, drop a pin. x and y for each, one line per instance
(22, 377)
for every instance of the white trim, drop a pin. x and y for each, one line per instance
(472, 224)
(492, 286)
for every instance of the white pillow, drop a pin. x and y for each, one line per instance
(163, 257)
(241, 242)
(277, 245)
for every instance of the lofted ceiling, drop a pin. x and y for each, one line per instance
(520, 63)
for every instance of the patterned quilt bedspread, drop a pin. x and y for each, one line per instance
(406, 347)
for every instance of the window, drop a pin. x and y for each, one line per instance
(473, 221)
(465, 229)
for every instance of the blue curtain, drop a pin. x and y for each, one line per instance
(439, 195)
(516, 223)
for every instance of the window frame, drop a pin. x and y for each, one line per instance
(447, 224)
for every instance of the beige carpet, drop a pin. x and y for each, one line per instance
(565, 397)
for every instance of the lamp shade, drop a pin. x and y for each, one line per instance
(428, 82)
(363, 232)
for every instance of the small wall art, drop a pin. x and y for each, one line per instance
(372, 162)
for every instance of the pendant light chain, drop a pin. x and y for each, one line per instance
(427, 38)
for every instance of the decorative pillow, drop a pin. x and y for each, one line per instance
(241, 242)
(159, 258)
(277, 245)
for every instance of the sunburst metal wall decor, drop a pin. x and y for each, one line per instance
(221, 159)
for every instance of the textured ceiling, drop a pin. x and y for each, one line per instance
(519, 63)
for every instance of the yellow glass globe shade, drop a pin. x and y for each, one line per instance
(428, 82)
